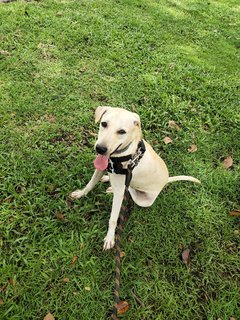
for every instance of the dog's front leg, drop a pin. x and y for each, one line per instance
(118, 186)
(91, 184)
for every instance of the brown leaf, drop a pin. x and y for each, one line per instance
(1, 302)
(74, 260)
(228, 162)
(167, 140)
(3, 288)
(173, 124)
(122, 254)
(186, 256)
(235, 213)
(236, 232)
(122, 307)
(11, 281)
(49, 316)
(66, 280)
(59, 216)
(193, 148)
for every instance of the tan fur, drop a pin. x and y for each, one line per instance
(148, 178)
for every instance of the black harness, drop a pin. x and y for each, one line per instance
(115, 163)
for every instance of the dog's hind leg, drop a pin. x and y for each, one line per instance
(142, 199)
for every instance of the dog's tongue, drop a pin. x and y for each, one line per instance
(101, 162)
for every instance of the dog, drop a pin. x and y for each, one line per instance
(118, 139)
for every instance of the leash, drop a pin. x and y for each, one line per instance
(116, 166)
(125, 211)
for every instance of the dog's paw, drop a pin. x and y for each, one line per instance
(77, 194)
(108, 242)
(109, 190)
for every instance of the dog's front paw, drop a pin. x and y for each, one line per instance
(108, 242)
(77, 194)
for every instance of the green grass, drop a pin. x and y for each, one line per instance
(166, 60)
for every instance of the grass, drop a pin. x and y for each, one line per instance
(166, 60)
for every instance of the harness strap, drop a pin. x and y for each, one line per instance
(115, 163)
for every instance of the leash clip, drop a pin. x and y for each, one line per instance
(134, 162)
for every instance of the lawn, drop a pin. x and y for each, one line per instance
(167, 60)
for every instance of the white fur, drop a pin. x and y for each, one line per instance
(148, 178)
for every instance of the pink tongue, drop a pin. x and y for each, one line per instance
(101, 162)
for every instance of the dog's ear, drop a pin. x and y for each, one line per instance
(99, 112)
(136, 119)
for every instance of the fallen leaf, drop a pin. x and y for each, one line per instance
(11, 281)
(228, 162)
(1, 302)
(122, 307)
(66, 280)
(59, 216)
(167, 140)
(87, 288)
(122, 254)
(3, 288)
(74, 260)
(173, 124)
(59, 14)
(49, 316)
(235, 213)
(5, 53)
(232, 318)
(236, 232)
(186, 256)
(193, 148)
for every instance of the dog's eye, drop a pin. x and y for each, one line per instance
(121, 131)
(104, 124)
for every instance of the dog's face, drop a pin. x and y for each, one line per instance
(118, 129)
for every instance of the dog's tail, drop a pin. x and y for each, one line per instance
(183, 178)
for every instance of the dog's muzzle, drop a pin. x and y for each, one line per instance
(101, 149)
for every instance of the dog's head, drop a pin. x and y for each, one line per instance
(119, 131)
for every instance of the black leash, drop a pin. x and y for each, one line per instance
(115, 166)
(125, 211)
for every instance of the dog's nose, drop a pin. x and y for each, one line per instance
(101, 149)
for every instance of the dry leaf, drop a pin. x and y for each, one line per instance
(228, 162)
(5, 53)
(49, 316)
(122, 307)
(186, 256)
(59, 216)
(122, 254)
(192, 148)
(11, 281)
(74, 260)
(173, 124)
(236, 232)
(87, 288)
(235, 213)
(3, 288)
(66, 280)
(232, 318)
(1, 302)
(167, 140)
